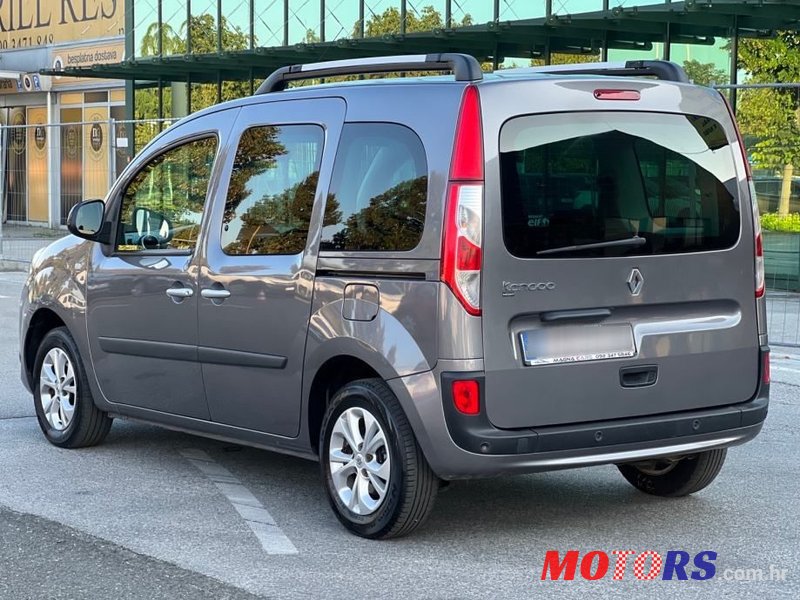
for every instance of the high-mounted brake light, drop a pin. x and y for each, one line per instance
(617, 95)
(462, 246)
(759, 242)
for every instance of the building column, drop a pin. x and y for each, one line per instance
(53, 162)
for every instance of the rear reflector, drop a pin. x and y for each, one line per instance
(617, 95)
(765, 373)
(466, 396)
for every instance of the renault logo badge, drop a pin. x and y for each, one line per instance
(635, 282)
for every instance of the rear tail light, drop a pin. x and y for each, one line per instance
(462, 246)
(759, 242)
(462, 255)
(467, 396)
(760, 283)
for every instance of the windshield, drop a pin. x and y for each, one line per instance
(583, 179)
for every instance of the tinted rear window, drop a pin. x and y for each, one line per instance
(378, 190)
(655, 183)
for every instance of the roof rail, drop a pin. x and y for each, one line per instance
(463, 66)
(660, 69)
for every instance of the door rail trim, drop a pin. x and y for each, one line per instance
(190, 353)
(150, 349)
(222, 356)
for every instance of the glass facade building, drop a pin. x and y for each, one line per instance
(73, 70)
(234, 44)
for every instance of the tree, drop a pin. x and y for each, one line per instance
(562, 58)
(772, 115)
(273, 223)
(203, 30)
(393, 220)
(704, 73)
(389, 21)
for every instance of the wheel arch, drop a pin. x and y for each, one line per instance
(43, 321)
(331, 376)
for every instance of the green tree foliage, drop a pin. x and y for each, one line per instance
(203, 30)
(704, 73)
(392, 220)
(278, 224)
(562, 58)
(257, 153)
(275, 223)
(770, 115)
(776, 222)
(389, 22)
(172, 186)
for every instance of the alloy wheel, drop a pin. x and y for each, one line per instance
(359, 461)
(57, 389)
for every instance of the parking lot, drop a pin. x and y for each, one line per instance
(136, 517)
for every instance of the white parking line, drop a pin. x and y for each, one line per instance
(775, 367)
(272, 539)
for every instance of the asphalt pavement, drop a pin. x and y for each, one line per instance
(139, 517)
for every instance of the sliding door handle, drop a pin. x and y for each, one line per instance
(180, 292)
(215, 294)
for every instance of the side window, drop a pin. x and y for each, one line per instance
(163, 204)
(271, 191)
(378, 190)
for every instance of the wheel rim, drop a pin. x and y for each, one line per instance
(57, 389)
(359, 461)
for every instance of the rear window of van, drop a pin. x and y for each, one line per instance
(617, 184)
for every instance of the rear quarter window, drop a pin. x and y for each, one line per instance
(616, 184)
(378, 191)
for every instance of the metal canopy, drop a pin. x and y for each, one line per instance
(690, 21)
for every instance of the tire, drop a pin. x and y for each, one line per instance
(681, 478)
(86, 425)
(411, 488)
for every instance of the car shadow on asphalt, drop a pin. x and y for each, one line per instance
(580, 504)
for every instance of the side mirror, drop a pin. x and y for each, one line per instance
(85, 220)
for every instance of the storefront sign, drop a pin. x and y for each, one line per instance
(84, 56)
(33, 23)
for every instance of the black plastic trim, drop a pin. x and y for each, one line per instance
(150, 349)
(190, 353)
(569, 315)
(660, 69)
(477, 434)
(361, 274)
(464, 66)
(221, 356)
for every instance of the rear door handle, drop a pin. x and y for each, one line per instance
(569, 315)
(640, 376)
(180, 292)
(215, 294)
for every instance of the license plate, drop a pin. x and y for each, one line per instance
(576, 343)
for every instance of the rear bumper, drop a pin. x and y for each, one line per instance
(458, 447)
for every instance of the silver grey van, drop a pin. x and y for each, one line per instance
(416, 280)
